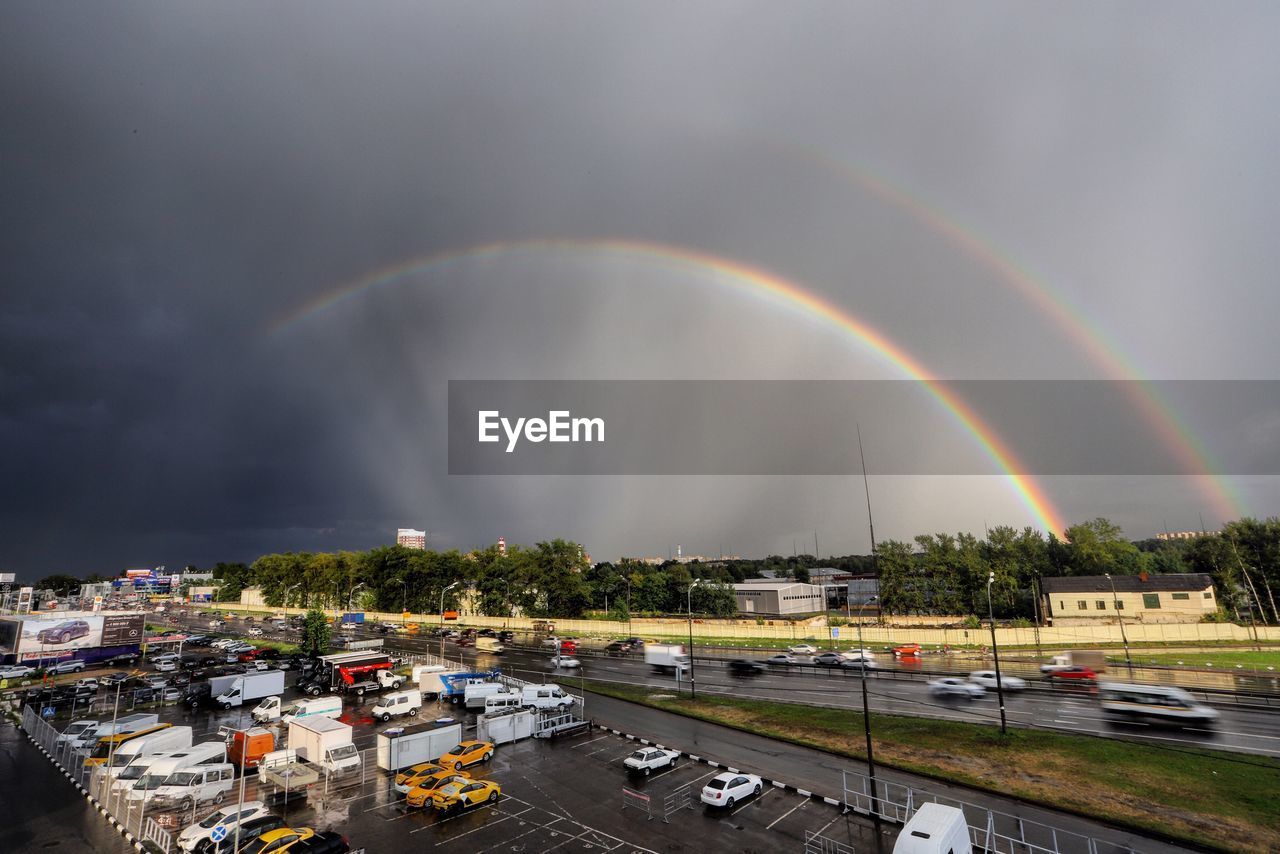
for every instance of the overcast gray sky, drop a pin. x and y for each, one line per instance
(179, 180)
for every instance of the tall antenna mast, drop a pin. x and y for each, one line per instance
(875, 567)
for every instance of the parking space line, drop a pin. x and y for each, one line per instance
(787, 813)
(485, 826)
(751, 802)
(526, 833)
(592, 741)
(828, 824)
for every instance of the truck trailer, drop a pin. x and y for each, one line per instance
(357, 673)
(402, 747)
(250, 686)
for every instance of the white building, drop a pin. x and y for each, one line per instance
(780, 597)
(411, 539)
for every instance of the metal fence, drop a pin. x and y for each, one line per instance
(989, 830)
(816, 843)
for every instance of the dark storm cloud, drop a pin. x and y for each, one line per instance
(176, 178)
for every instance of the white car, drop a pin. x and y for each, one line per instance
(552, 641)
(648, 759)
(16, 671)
(725, 790)
(165, 656)
(987, 679)
(255, 632)
(166, 666)
(222, 824)
(565, 661)
(802, 649)
(262, 664)
(954, 686)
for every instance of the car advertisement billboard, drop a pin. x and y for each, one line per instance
(57, 638)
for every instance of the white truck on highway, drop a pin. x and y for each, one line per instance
(253, 685)
(324, 742)
(1094, 659)
(666, 657)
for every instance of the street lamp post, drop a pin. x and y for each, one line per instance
(287, 591)
(630, 631)
(693, 688)
(351, 595)
(1115, 603)
(442, 592)
(404, 600)
(991, 577)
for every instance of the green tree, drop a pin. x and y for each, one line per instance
(316, 632)
(232, 578)
(59, 583)
(901, 590)
(1098, 547)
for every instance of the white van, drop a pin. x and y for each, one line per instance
(161, 766)
(503, 701)
(475, 694)
(167, 739)
(195, 785)
(545, 697)
(1154, 704)
(934, 829)
(398, 703)
(272, 708)
(75, 730)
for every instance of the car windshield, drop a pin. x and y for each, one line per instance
(133, 772)
(151, 781)
(716, 784)
(640, 754)
(182, 778)
(461, 748)
(343, 752)
(213, 819)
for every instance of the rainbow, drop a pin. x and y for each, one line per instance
(755, 281)
(1164, 421)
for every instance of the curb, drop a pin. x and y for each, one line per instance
(94, 802)
(777, 784)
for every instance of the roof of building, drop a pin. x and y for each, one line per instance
(1171, 582)
(776, 585)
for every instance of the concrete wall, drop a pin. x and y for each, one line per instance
(1064, 637)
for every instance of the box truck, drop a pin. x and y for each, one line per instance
(934, 829)
(455, 684)
(357, 672)
(665, 657)
(125, 723)
(252, 686)
(1094, 659)
(324, 742)
(248, 746)
(402, 747)
(274, 708)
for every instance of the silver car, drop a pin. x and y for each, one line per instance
(987, 679)
(954, 686)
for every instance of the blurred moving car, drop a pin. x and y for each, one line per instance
(954, 686)
(802, 649)
(907, 650)
(725, 790)
(1073, 673)
(829, 659)
(745, 667)
(566, 661)
(987, 679)
(782, 659)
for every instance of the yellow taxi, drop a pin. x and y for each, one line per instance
(282, 839)
(467, 753)
(420, 794)
(459, 794)
(409, 777)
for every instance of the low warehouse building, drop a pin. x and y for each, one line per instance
(781, 598)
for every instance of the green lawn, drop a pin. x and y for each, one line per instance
(1225, 658)
(1220, 800)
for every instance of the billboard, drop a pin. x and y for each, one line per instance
(30, 638)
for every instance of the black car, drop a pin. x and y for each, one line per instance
(617, 647)
(507, 637)
(181, 680)
(248, 831)
(116, 678)
(121, 660)
(743, 667)
(487, 633)
(63, 632)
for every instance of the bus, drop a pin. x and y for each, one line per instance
(109, 744)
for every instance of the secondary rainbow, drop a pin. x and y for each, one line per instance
(1190, 451)
(753, 280)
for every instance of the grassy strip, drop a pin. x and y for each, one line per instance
(1222, 801)
(1216, 658)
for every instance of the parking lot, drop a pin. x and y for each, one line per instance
(557, 795)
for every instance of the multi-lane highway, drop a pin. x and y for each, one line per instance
(1246, 725)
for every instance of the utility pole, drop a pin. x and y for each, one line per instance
(693, 688)
(995, 651)
(866, 706)
(1115, 603)
(442, 592)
